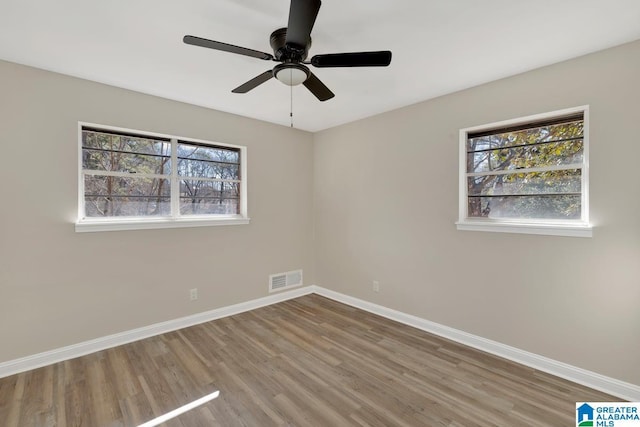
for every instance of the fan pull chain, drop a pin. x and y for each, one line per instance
(291, 97)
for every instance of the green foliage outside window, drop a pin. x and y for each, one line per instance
(527, 172)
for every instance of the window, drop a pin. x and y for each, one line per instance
(528, 175)
(133, 180)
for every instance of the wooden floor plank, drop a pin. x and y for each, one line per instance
(305, 362)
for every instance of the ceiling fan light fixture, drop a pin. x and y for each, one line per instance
(291, 74)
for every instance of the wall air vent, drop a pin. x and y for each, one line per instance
(280, 281)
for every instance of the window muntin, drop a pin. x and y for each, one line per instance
(141, 177)
(532, 171)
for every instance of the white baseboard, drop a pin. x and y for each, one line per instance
(76, 350)
(626, 391)
(596, 381)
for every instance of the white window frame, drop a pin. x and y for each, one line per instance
(91, 224)
(571, 228)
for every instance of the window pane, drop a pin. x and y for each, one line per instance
(539, 207)
(189, 153)
(563, 181)
(528, 136)
(109, 196)
(200, 152)
(124, 162)
(208, 162)
(109, 152)
(207, 169)
(199, 197)
(529, 156)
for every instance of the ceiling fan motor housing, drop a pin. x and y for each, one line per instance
(287, 52)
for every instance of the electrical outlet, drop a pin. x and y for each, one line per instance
(193, 294)
(376, 286)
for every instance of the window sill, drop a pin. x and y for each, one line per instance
(92, 225)
(549, 229)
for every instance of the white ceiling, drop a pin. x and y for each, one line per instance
(439, 46)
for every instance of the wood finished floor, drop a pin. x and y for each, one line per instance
(305, 362)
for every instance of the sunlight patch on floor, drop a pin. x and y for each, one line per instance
(181, 410)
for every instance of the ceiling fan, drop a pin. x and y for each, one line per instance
(290, 48)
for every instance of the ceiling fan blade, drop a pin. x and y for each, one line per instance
(302, 16)
(318, 88)
(254, 82)
(355, 59)
(211, 44)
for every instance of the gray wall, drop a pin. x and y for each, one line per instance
(59, 287)
(386, 199)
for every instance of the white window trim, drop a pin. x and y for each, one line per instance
(574, 228)
(85, 224)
